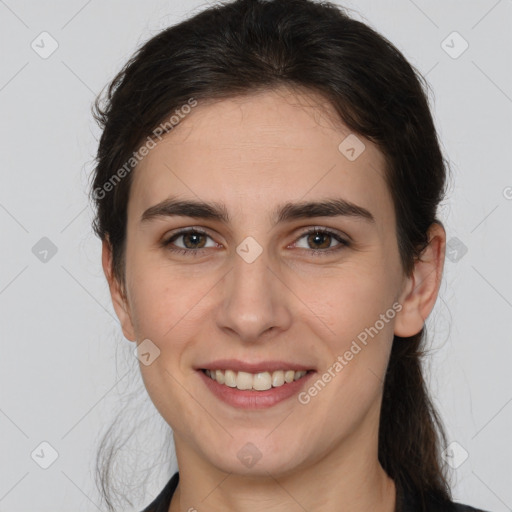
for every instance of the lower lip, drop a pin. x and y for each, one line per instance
(248, 399)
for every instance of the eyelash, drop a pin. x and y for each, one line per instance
(316, 230)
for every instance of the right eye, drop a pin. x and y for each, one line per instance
(192, 241)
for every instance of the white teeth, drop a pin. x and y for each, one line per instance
(244, 380)
(262, 381)
(229, 378)
(277, 379)
(257, 381)
(219, 376)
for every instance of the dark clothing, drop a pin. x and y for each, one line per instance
(406, 501)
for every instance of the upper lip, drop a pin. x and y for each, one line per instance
(243, 366)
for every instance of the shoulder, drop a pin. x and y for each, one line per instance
(451, 506)
(163, 500)
(414, 501)
(459, 507)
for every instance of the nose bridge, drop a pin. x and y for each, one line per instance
(253, 302)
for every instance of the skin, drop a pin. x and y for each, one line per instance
(253, 153)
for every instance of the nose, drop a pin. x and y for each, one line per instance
(255, 300)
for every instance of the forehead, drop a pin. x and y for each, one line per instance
(255, 151)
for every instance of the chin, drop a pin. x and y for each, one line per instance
(257, 458)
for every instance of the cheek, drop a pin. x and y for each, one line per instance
(351, 298)
(167, 309)
(162, 300)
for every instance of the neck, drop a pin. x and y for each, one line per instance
(344, 480)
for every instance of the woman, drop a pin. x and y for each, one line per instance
(266, 188)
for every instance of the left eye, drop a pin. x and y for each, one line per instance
(193, 244)
(319, 236)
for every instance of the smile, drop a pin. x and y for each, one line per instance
(260, 381)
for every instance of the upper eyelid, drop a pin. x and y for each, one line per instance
(186, 231)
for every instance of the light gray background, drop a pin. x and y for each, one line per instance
(60, 379)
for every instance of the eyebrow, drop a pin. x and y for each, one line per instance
(282, 213)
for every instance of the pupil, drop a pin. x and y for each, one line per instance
(192, 235)
(317, 236)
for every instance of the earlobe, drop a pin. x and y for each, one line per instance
(119, 300)
(421, 288)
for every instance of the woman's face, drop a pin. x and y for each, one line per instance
(254, 291)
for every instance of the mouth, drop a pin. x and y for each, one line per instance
(261, 381)
(262, 389)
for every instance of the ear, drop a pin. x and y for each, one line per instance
(119, 300)
(421, 288)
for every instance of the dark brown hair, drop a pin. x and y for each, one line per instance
(246, 46)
